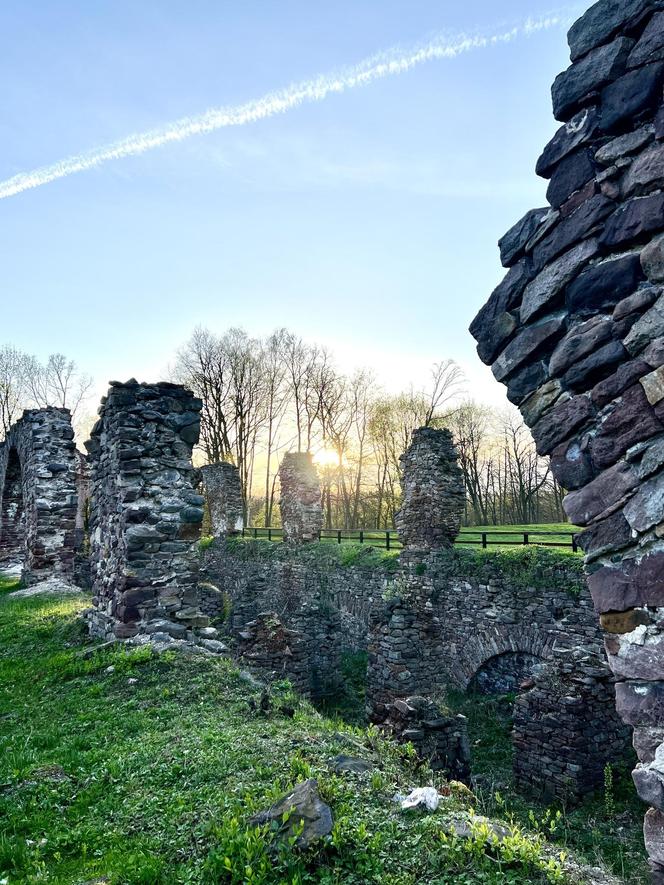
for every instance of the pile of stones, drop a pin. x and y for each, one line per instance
(576, 332)
(440, 739)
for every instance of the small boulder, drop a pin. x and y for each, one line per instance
(302, 805)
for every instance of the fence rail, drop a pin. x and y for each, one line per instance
(387, 539)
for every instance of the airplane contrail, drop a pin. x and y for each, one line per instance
(377, 67)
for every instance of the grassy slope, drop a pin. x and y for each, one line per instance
(148, 772)
(605, 829)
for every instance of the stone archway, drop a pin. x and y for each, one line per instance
(502, 643)
(505, 673)
(38, 494)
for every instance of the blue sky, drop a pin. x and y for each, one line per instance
(367, 221)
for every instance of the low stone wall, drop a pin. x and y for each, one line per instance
(257, 576)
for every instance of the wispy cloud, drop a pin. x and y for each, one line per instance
(386, 64)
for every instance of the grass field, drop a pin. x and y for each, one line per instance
(557, 535)
(123, 767)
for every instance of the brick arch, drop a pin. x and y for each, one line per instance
(499, 640)
(38, 495)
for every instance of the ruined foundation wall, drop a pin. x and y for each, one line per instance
(257, 577)
(144, 512)
(576, 332)
(38, 491)
(441, 627)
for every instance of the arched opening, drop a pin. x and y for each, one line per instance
(12, 515)
(504, 673)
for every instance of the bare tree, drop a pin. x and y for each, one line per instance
(57, 382)
(14, 391)
(447, 383)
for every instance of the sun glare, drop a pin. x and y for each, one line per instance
(326, 458)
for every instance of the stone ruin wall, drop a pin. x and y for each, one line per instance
(426, 626)
(145, 513)
(300, 504)
(38, 471)
(576, 332)
(433, 491)
(223, 494)
(442, 628)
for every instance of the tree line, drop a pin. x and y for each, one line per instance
(263, 397)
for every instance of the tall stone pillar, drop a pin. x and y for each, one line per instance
(301, 507)
(145, 514)
(38, 494)
(576, 333)
(433, 491)
(223, 492)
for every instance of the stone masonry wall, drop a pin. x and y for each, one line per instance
(144, 512)
(38, 491)
(440, 627)
(257, 577)
(431, 624)
(300, 504)
(223, 492)
(433, 491)
(576, 332)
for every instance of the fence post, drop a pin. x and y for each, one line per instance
(526, 539)
(255, 532)
(338, 536)
(361, 537)
(387, 540)
(269, 534)
(484, 539)
(575, 546)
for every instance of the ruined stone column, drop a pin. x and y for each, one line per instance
(144, 512)
(38, 491)
(301, 507)
(433, 491)
(576, 332)
(223, 491)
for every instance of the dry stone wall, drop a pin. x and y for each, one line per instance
(223, 492)
(300, 504)
(433, 491)
(144, 511)
(441, 628)
(38, 470)
(576, 332)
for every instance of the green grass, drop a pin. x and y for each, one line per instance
(141, 769)
(504, 536)
(604, 829)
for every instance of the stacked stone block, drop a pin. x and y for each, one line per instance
(38, 489)
(433, 491)
(566, 729)
(145, 514)
(223, 492)
(438, 738)
(576, 332)
(300, 504)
